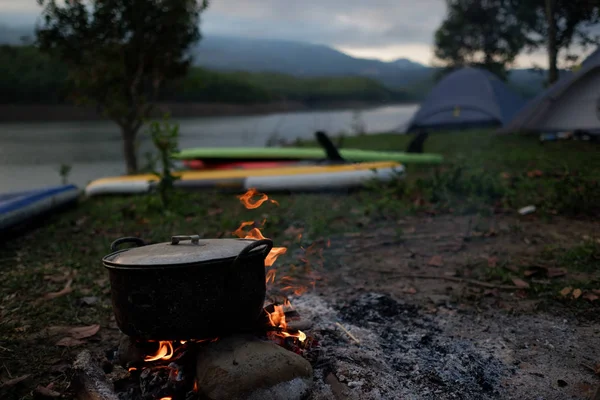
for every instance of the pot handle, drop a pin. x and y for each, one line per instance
(176, 239)
(256, 243)
(115, 245)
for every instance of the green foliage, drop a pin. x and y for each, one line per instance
(204, 86)
(555, 25)
(490, 34)
(64, 171)
(165, 138)
(480, 33)
(120, 53)
(27, 76)
(32, 77)
(321, 89)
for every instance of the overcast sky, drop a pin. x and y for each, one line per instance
(383, 29)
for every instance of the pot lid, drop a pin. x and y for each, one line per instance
(183, 250)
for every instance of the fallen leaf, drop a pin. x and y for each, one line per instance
(556, 272)
(83, 332)
(505, 175)
(69, 342)
(293, 231)
(352, 234)
(531, 272)
(520, 283)
(436, 261)
(66, 290)
(576, 293)
(214, 211)
(101, 281)
(14, 381)
(410, 290)
(46, 392)
(590, 296)
(535, 173)
(89, 300)
(566, 291)
(490, 233)
(512, 268)
(492, 262)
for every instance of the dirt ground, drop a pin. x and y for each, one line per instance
(441, 307)
(387, 335)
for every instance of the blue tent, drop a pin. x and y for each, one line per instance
(467, 98)
(571, 103)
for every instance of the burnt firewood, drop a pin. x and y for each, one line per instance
(89, 380)
(165, 381)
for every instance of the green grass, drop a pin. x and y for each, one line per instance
(471, 181)
(484, 171)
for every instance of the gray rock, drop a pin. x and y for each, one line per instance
(129, 353)
(245, 368)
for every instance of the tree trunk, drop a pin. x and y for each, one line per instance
(552, 45)
(129, 134)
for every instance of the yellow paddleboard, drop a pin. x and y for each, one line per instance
(292, 178)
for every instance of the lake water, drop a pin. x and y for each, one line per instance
(31, 153)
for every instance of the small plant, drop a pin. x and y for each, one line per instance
(165, 138)
(64, 170)
(358, 125)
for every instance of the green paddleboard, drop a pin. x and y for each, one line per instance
(302, 153)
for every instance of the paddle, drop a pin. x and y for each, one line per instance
(332, 152)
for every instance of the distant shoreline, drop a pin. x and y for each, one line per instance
(56, 113)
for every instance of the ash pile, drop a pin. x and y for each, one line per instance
(374, 347)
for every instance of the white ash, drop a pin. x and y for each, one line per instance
(402, 353)
(294, 389)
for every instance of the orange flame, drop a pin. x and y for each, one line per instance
(277, 319)
(271, 276)
(166, 398)
(246, 199)
(255, 233)
(165, 352)
(195, 386)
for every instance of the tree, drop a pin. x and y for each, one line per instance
(120, 53)
(484, 33)
(557, 24)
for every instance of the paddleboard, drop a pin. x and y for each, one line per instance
(19, 207)
(225, 164)
(297, 178)
(299, 153)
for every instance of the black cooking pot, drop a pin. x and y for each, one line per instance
(189, 288)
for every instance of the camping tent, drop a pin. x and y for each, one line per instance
(572, 103)
(467, 98)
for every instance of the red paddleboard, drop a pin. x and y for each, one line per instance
(199, 164)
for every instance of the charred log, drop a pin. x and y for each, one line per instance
(89, 381)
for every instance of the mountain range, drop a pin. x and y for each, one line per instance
(234, 53)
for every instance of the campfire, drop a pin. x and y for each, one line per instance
(184, 369)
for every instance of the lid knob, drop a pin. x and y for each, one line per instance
(193, 238)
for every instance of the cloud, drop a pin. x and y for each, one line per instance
(385, 29)
(347, 23)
